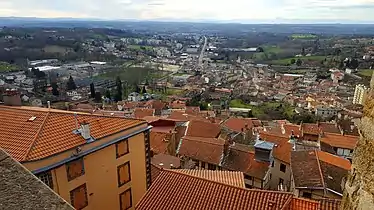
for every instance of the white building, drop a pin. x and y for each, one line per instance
(360, 95)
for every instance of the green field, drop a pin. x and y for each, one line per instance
(56, 49)
(303, 36)
(131, 75)
(366, 72)
(288, 60)
(272, 49)
(140, 47)
(266, 110)
(6, 67)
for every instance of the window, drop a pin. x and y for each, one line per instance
(75, 169)
(203, 165)
(307, 195)
(125, 200)
(270, 177)
(211, 166)
(122, 148)
(247, 177)
(282, 168)
(78, 197)
(272, 164)
(46, 177)
(123, 173)
(281, 181)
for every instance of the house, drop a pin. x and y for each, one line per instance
(239, 157)
(140, 113)
(206, 153)
(310, 132)
(197, 128)
(280, 170)
(134, 97)
(342, 145)
(317, 174)
(72, 153)
(326, 112)
(20, 189)
(178, 191)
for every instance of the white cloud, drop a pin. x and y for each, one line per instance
(192, 9)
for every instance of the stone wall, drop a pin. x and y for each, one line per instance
(359, 188)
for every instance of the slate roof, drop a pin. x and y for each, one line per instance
(179, 191)
(21, 190)
(51, 131)
(317, 169)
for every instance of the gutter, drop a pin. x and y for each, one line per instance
(89, 151)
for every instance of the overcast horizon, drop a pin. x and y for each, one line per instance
(267, 11)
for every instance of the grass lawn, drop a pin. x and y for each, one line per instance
(139, 47)
(6, 67)
(366, 72)
(288, 60)
(303, 36)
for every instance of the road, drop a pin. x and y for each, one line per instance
(200, 62)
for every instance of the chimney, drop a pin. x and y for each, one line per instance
(49, 104)
(12, 97)
(282, 129)
(85, 130)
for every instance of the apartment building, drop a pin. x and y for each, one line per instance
(360, 95)
(93, 162)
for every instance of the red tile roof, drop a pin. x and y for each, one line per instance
(140, 113)
(233, 178)
(292, 127)
(51, 132)
(158, 142)
(179, 191)
(304, 204)
(192, 110)
(209, 150)
(282, 151)
(329, 127)
(311, 128)
(238, 124)
(316, 169)
(340, 141)
(241, 158)
(199, 128)
(334, 160)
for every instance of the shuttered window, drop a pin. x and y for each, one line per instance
(75, 169)
(124, 175)
(122, 148)
(78, 197)
(125, 200)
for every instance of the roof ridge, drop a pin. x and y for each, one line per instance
(232, 186)
(208, 142)
(320, 172)
(36, 136)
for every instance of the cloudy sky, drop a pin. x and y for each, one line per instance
(353, 10)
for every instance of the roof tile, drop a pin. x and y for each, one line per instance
(179, 191)
(233, 178)
(209, 150)
(199, 128)
(340, 141)
(51, 132)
